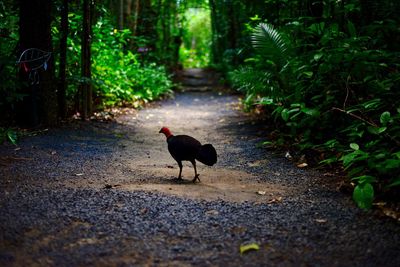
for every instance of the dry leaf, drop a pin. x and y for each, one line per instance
(248, 247)
(212, 212)
(302, 165)
(79, 174)
(391, 213)
(275, 200)
(321, 220)
(261, 193)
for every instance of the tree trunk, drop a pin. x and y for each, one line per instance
(86, 87)
(136, 8)
(40, 104)
(62, 86)
(121, 14)
(215, 51)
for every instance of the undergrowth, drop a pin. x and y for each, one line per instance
(332, 93)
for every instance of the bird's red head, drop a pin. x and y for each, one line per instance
(165, 131)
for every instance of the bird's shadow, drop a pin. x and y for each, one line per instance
(179, 181)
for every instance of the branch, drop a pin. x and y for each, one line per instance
(369, 123)
(356, 116)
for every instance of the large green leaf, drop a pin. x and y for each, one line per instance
(363, 195)
(385, 117)
(12, 136)
(270, 43)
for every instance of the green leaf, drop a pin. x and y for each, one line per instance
(328, 160)
(266, 101)
(392, 164)
(308, 74)
(354, 146)
(267, 143)
(376, 130)
(385, 117)
(311, 111)
(248, 247)
(363, 195)
(285, 114)
(396, 182)
(12, 136)
(270, 43)
(363, 179)
(318, 56)
(357, 155)
(351, 29)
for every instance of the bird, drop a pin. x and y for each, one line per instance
(184, 147)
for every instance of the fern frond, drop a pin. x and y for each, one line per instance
(270, 44)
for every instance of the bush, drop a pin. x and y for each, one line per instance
(117, 74)
(338, 97)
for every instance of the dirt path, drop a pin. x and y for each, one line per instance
(103, 194)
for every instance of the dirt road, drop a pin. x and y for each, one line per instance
(103, 194)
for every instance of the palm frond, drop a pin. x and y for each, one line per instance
(270, 44)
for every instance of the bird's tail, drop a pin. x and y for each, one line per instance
(207, 155)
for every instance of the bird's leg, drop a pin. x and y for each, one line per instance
(196, 176)
(180, 170)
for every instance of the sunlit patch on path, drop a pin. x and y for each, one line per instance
(216, 184)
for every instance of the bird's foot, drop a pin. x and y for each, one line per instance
(196, 177)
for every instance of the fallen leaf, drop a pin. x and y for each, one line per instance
(321, 220)
(391, 213)
(253, 164)
(261, 193)
(275, 200)
(16, 149)
(79, 174)
(302, 165)
(212, 212)
(248, 247)
(379, 204)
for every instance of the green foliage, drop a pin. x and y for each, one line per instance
(118, 74)
(8, 134)
(363, 195)
(338, 96)
(270, 44)
(8, 47)
(195, 49)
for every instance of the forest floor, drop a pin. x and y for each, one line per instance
(103, 194)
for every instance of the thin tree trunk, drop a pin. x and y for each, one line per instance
(121, 14)
(62, 86)
(86, 88)
(215, 55)
(136, 6)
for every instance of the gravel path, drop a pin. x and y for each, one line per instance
(103, 194)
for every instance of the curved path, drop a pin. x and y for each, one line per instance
(103, 194)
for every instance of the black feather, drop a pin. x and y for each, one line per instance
(207, 155)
